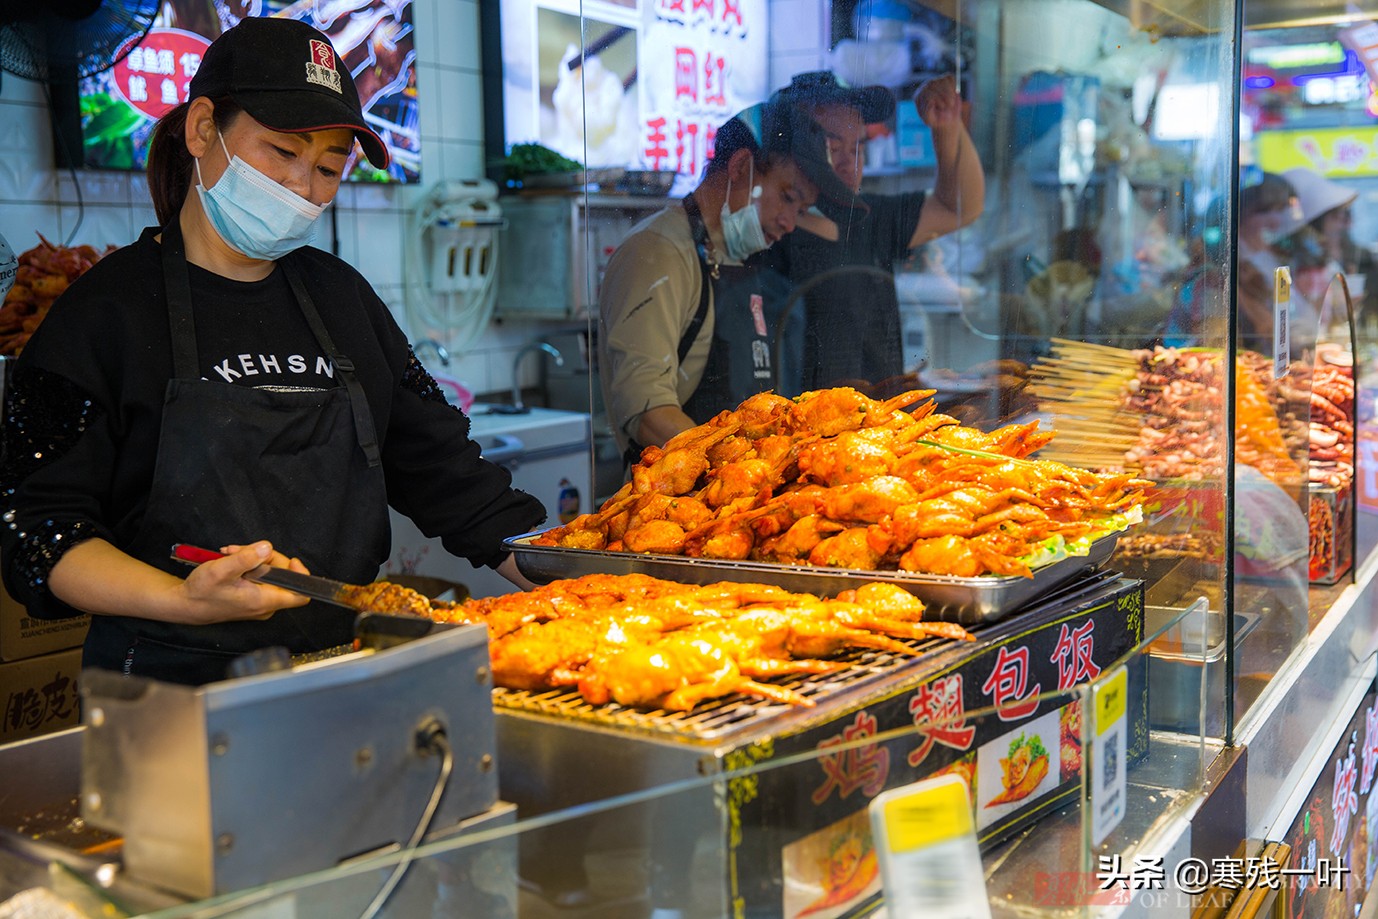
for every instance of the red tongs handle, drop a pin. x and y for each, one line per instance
(194, 554)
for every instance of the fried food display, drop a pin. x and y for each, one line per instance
(647, 643)
(836, 479)
(1180, 396)
(386, 597)
(1022, 769)
(43, 273)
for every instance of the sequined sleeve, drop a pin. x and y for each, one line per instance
(417, 379)
(45, 416)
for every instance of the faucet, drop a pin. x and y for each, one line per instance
(517, 407)
(440, 350)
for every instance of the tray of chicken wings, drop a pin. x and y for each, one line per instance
(832, 490)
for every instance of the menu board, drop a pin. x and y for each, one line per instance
(639, 84)
(373, 38)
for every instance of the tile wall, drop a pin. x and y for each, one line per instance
(371, 221)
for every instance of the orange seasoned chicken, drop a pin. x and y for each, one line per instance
(784, 481)
(644, 642)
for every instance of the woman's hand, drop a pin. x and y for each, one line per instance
(217, 591)
(95, 577)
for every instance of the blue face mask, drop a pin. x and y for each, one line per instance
(742, 232)
(255, 215)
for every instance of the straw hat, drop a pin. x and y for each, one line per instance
(1316, 195)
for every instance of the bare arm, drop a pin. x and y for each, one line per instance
(959, 190)
(659, 424)
(96, 577)
(508, 569)
(818, 225)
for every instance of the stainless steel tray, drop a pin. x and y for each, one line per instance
(970, 601)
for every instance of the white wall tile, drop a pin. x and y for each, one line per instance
(425, 34)
(374, 197)
(96, 225)
(785, 65)
(347, 227)
(463, 160)
(143, 216)
(428, 93)
(795, 26)
(21, 223)
(470, 369)
(411, 196)
(463, 120)
(138, 189)
(18, 89)
(380, 247)
(21, 128)
(457, 34)
(23, 180)
(96, 187)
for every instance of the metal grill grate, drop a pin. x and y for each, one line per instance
(717, 718)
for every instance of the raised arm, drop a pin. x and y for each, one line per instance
(959, 190)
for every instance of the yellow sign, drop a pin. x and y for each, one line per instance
(926, 814)
(1335, 152)
(1112, 700)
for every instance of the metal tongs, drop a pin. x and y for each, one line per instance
(317, 588)
(372, 629)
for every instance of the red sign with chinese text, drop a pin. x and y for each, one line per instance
(154, 76)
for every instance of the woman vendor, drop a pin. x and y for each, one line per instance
(221, 383)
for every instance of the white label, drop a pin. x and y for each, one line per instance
(1110, 705)
(930, 862)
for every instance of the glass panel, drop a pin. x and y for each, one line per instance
(1304, 107)
(617, 821)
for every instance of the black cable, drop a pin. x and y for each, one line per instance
(61, 141)
(430, 739)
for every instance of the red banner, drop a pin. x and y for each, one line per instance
(154, 76)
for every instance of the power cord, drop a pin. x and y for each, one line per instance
(430, 738)
(60, 138)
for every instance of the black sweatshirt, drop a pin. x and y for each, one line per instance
(83, 409)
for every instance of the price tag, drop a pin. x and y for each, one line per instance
(930, 863)
(1282, 313)
(1109, 703)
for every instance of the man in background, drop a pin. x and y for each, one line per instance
(851, 310)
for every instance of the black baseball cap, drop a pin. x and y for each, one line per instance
(822, 87)
(786, 129)
(287, 76)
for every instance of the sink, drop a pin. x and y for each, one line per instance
(538, 429)
(500, 448)
(548, 453)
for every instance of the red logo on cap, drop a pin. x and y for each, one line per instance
(322, 54)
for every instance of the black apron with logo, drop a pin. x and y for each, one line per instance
(741, 357)
(236, 464)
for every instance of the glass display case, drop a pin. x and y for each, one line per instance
(999, 219)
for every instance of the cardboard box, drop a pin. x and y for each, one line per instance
(38, 695)
(23, 636)
(1331, 513)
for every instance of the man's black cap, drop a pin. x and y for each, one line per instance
(822, 87)
(788, 130)
(287, 76)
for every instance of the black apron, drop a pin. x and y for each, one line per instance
(741, 357)
(235, 464)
